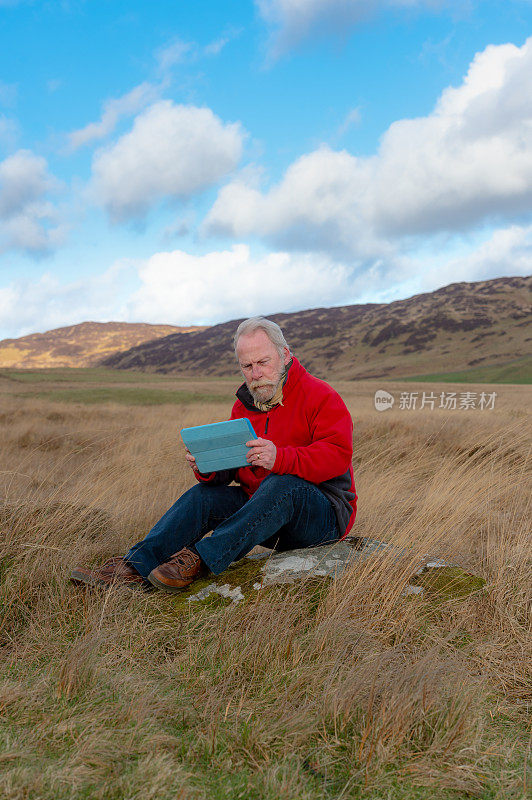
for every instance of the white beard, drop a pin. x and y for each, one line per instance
(265, 393)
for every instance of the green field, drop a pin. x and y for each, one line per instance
(137, 396)
(79, 375)
(100, 385)
(517, 371)
(157, 389)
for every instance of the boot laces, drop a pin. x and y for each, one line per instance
(113, 565)
(185, 558)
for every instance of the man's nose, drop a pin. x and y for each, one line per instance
(256, 371)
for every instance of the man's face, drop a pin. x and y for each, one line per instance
(260, 364)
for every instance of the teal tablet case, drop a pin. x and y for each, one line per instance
(221, 445)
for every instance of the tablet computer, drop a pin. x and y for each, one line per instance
(220, 445)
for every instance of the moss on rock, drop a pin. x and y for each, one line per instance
(241, 575)
(241, 580)
(448, 583)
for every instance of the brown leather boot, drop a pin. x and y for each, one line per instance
(114, 572)
(179, 572)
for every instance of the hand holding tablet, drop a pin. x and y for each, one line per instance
(261, 453)
(220, 445)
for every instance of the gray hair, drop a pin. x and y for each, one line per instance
(271, 329)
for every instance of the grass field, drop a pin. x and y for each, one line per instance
(92, 375)
(517, 371)
(342, 690)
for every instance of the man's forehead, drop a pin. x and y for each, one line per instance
(254, 344)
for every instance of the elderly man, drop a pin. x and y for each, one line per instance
(298, 490)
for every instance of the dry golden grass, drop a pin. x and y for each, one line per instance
(341, 690)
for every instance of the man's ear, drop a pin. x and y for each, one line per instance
(287, 356)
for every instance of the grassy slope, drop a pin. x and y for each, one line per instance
(518, 371)
(74, 345)
(101, 385)
(319, 691)
(75, 375)
(104, 385)
(139, 396)
(452, 329)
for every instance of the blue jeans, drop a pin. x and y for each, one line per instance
(284, 513)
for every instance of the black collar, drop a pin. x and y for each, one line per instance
(245, 397)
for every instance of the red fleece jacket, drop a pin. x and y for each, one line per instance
(312, 430)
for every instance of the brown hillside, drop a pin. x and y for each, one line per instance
(457, 327)
(81, 345)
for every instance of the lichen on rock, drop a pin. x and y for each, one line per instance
(235, 584)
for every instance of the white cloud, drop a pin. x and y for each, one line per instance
(177, 52)
(314, 207)
(351, 120)
(505, 252)
(113, 110)
(181, 288)
(175, 287)
(28, 220)
(215, 47)
(508, 251)
(47, 303)
(172, 151)
(295, 20)
(24, 179)
(468, 161)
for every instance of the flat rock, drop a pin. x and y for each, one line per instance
(325, 561)
(259, 570)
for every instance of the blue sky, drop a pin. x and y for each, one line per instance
(190, 163)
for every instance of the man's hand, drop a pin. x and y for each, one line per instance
(191, 460)
(262, 453)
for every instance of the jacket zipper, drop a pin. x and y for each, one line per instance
(266, 426)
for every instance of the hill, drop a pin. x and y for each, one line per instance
(81, 345)
(456, 328)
